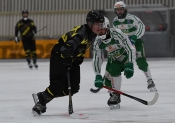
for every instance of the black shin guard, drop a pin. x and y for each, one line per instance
(44, 97)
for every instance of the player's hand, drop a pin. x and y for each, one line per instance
(34, 31)
(129, 70)
(17, 39)
(67, 63)
(98, 81)
(133, 39)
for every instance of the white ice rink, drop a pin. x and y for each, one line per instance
(18, 83)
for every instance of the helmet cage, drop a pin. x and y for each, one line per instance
(106, 25)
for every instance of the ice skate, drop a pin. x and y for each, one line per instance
(40, 106)
(116, 106)
(114, 101)
(151, 86)
(30, 65)
(35, 65)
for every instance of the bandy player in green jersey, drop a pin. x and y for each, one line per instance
(121, 55)
(135, 29)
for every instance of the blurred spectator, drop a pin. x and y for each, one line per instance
(147, 28)
(161, 27)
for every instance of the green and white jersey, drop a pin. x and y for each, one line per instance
(130, 25)
(115, 46)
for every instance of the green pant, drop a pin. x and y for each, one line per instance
(140, 55)
(115, 68)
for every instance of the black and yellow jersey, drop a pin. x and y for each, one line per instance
(80, 38)
(26, 28)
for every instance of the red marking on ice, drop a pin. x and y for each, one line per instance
(80, 114)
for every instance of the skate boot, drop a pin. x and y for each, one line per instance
(40, 105)
(114, 101)
(35, 65)
(151, 86)
(34, 60)
(30, 65)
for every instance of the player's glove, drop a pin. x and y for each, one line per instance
(133, 39)
(34, 31)
(17, 39)
(66, 52)
(98, 81)
(129, 70)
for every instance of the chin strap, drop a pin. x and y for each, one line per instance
(103, 37)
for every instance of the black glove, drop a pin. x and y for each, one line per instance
(66, 52)
(17, 39)
(34, 31)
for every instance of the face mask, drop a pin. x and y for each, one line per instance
(104, 36)
(25, 18)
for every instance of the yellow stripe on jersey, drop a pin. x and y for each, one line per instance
(19, 24)
(74, 30)
(81, 54)
(32, 23)
(62, 56)
(85, 41)
(74, 34)
(26, 31)
(64, 37)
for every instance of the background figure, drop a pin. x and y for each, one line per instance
(135, 29)
(27, 29)
(147, 28)
(161, 27)
(121, 55)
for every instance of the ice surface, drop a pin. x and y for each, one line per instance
(18, 83)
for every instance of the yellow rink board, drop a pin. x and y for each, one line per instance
(11, 50)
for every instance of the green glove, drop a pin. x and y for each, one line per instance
(129, 70)
(133, 39)
(98, 81)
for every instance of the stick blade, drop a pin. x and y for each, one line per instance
(79, 116)
(95, 90)
(154, 100)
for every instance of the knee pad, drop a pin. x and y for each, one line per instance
(142, 64)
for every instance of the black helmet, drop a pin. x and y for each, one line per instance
(94, 16)
(25, 11)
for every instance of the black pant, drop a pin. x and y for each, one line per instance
(29, 46)
(29, 43)
(58, 78)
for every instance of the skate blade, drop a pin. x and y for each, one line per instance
(115, 106)
(35, 98)
(35, 113)
(30, 66)
(36, 66)
(153, 89)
